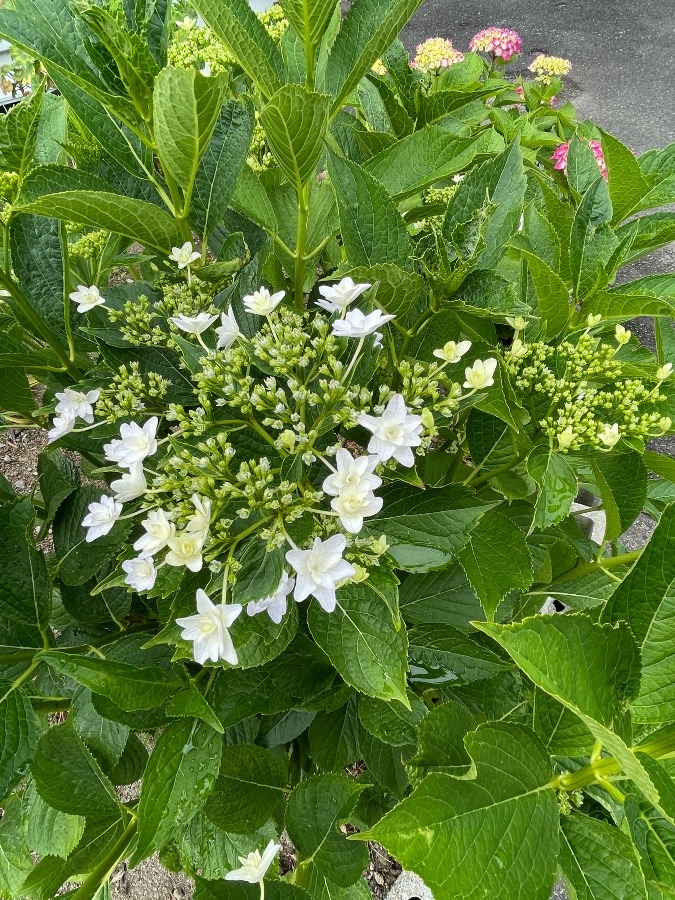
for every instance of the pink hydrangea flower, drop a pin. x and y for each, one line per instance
(559, 157)
(502, 42)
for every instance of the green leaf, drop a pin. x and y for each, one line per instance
(18, 134)
(236, 25)
(646, 601)
(190, 702)
(237, 890)
(441, 741)
(186, 106)
(221, 165)
(260, 572)
(553, 298)
(50, 831)
(622, 479)
(19, 731)
(562, 732)
(440, 831)
(310, 19)
(421, 159)
(68, 777)
(129, 687)
(334, 738)
(439, 598)
(627, 185)
(496, 560)
(250, 199)
(258, 639)
(24, 580)
(316, 809)
(426, 529)
(619, 306)
(385, 765)
(392, 723)
(590, 668)
(295, 122)
(372, 228)
(654, 839)
(498, 185)
(363, 643)
(598, 860)
(594, 210)
(58, 477)
(179, 776)
(135, 219)
(443, 654)
(557, 486)
(486, 294)
(15, 859)
(105, 739)
(249, 789)
(131, 764)
(367, 30)
(80, 561)
(651, 232)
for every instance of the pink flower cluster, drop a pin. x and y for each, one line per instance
(559, 157)
(502, 42)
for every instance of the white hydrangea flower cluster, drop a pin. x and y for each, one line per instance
(203, 494)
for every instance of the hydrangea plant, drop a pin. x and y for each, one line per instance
(326, 341)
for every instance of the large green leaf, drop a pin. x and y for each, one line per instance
(179, 776)
(646, 601)
(221, 165)
(557, 486)
(654, 839)
(68, 777)
(295, 122)
(310, 19)
(334, 737)
(19, 730)
(129, 687)
(50, 831)
(15, 859)
(497, 186)
(627, 185)
(238, 890)
(426, 529)
(598, 860)
(440, 744)
(251, 200)
(58, 477)
(495, 835)
(367, 30)
(443, 654)
(622, 480)
(372, 228)
(392, 723)
(18, 133)
(237, 26)
(594, 210)
(249, 789)
(441, 598)
(496, 560)
(316, 809)
(553, 298)
(24, 580)
(365, 645)
(591, 669)
(186, 106)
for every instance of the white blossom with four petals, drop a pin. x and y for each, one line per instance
(395, 432)
(228, 331)
(320, 570)
(357, 324)
(353, 505)
(77, 402)
(101, 517)
(87, 298)
(609, 435)
(254, 866)
(277, 603)
(337, 297)
(352, 472)
(131, 485)
(480, 374)
(261, 302)
(193, 324)
(208, 630)
(61, 426)
(141, 573)
(452, 352)
(184, 256)
(185, 549)
(159, 529)
(135, 444)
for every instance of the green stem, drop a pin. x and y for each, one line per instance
(67, 303)
(300, 248)
(108, 864)
(5, 250)
(608, 562)
(25, 676)
(493, 472)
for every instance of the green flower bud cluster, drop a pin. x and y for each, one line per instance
(585, 393)
(260, 158)
(137, 326)
(274, 21)
(426, 386)
(130, 392)
(90, 245)
(9, 184)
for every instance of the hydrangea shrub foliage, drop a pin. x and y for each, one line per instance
(326, 341)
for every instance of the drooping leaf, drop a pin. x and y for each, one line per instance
(58, 478)
(439, 831)
(179, 776)
(24, 580)
(19, 731)
(557, 486)
(441, 741)
(15, 859)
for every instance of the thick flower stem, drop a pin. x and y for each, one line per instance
(108, 864)
(607, 562)
(300, 248)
